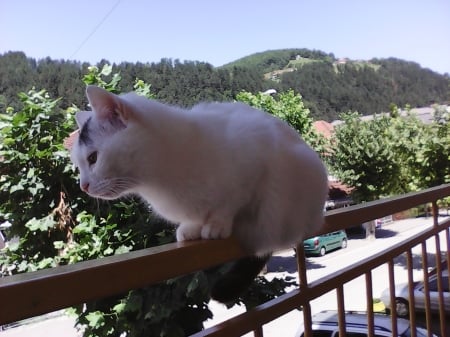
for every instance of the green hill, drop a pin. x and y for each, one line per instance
(328, 85)
(273, 60)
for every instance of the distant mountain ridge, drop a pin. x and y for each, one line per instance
(329, 86)
(294, 58)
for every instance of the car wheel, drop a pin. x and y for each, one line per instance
(402, 307)
(344, 243)
(322, 251)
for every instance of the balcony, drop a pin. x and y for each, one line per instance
(44, 291)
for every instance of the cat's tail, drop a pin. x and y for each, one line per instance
(236, 280)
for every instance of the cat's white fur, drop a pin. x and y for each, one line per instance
(216, 170)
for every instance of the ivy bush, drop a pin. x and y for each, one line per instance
(57, 224)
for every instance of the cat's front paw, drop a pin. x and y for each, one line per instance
(186, 232)
(216, 231)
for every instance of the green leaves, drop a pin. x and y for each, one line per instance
(32, 176)
(389, 155)
(263, 290)
(142, 88)
(95, 319)
(42, 225)
(289, 107)
(103, 78)
(362, 156)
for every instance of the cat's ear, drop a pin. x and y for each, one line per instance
(81, 117)
(106, 105)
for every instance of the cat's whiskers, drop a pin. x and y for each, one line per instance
(116, 187)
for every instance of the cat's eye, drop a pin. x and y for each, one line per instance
(92, 158)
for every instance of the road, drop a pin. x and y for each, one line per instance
(283, 264)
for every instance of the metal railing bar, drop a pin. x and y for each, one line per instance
(440, 286)
(412, 305)
(435, 210)
(157, 258)
(341, 310)
(447, 239)
(104, 277)
(323, 285)
(258, 332)
(260, 315)
(275, 308)
(369, 301)
(307, 319)
(303, 285)
(22, 294)
(426, 288)
(91, 280)
(357, 214)
(392, 299)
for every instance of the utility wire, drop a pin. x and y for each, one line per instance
(95, 29)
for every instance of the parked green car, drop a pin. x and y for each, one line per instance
(320, 245)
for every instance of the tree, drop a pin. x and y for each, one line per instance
(289, 107)
(390, 154)
(433, 159)
(363, 157)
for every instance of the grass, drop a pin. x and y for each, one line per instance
(298, 63)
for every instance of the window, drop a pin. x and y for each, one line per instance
(445, 283)
(434, 287)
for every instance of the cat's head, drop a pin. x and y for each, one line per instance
(101, 149)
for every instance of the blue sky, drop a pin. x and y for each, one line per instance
(219, 32)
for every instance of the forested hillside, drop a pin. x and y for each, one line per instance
(183, 83)
(328, 86)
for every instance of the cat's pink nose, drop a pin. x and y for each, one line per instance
(85, 187)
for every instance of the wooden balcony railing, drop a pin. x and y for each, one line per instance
(31, 294)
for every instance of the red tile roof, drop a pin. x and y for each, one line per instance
(324, 128)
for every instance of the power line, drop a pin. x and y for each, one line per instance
(95, 29)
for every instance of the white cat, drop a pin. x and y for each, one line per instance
(216, 170)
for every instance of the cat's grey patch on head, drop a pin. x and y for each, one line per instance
(85, 137)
